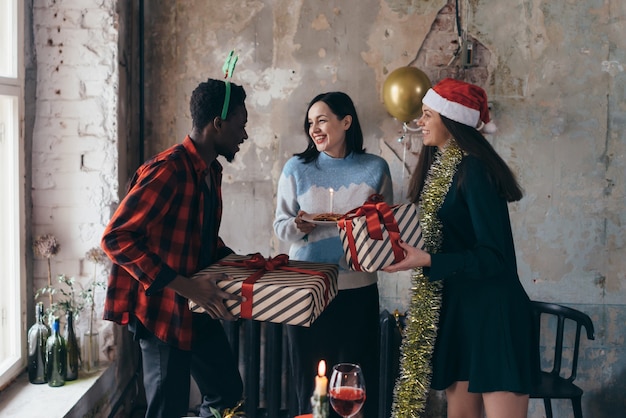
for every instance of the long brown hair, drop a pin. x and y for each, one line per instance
(472, 142)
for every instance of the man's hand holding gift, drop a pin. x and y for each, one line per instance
(204, 291)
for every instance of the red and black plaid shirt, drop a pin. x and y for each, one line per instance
(155, 234)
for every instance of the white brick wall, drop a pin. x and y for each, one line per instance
(75, 134)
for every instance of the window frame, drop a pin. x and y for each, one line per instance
(13, 317)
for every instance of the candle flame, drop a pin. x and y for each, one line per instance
(321, 368)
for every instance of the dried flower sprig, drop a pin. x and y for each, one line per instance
(47, 246)
(98, 257)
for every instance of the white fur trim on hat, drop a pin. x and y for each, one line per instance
(489, 128)
(452, 110)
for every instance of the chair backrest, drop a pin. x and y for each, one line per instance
(561, 314)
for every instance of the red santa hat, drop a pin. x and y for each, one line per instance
(462, 102)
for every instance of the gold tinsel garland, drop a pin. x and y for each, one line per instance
(411, 389)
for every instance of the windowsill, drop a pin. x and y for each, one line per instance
(23, 399)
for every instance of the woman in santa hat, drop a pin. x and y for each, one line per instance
(483, 352)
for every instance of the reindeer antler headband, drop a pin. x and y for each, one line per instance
(228, 68)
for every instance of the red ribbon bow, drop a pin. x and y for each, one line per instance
(257, 261)
(269, 264)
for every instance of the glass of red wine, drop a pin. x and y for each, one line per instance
(347, 389)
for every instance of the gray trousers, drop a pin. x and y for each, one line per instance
(166, 370)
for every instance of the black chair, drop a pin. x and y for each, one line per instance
(552, 384)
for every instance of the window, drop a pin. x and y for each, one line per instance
(12, 238)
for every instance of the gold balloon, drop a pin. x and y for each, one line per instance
(403, 91)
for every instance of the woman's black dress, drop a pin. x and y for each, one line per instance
(485, 333)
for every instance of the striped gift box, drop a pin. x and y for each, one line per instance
(370, 234)
(277, 289)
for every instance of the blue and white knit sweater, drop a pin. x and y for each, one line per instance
(307, 187)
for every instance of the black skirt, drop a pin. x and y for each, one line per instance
(486, 336)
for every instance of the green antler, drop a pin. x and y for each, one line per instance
(229, 65)
(228, 68)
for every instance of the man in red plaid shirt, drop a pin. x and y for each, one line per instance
(164, 231)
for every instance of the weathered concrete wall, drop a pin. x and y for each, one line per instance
(554, 72)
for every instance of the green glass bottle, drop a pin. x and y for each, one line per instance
(56, 357)
(72, 348)
(37, 337)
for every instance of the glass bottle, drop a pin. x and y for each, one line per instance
(37, 337)
(56, 357)
(91, 352)
(72, 348)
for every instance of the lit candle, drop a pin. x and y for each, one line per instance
(331, 192)
(321, 381)
(319, 400)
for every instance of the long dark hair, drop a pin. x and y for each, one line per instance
(341, 105)
(472, 142)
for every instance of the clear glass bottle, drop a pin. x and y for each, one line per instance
(56, 357)
(91, 351)
(37, 337)
(72, 348)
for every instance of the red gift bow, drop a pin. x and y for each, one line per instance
(377, 212)
(257, 261)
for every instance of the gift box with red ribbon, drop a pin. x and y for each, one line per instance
(370, 233)
(276, 289)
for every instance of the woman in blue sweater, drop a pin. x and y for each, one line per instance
(333, 168)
